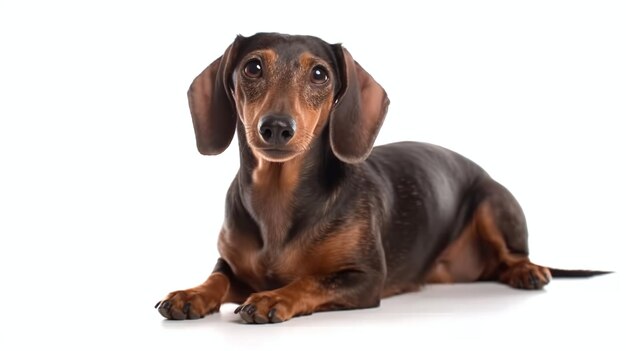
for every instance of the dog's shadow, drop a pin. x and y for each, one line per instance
(432, 301)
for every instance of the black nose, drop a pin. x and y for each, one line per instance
(277, 130)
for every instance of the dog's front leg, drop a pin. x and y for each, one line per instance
(221, 286)
(346, 289)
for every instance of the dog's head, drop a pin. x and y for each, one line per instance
(285, 90)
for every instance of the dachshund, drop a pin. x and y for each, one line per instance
(317, 218)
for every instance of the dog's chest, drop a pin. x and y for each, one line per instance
(264, 268)
(271, 197)
(267, 265)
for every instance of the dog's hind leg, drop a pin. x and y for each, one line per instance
(501, 226)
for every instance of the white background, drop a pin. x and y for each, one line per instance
(105, 204)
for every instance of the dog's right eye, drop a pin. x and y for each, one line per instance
(253, 69)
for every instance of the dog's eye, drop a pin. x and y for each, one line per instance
(319, 75)
(253, 69)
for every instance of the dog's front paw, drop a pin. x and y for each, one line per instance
(189, 304)
(267, 307)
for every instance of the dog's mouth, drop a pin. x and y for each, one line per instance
(276, 154)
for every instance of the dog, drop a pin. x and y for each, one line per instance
(317, 218)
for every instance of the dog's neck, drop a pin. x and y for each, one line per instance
(279, 195)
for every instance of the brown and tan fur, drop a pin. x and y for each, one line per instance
(316, 218)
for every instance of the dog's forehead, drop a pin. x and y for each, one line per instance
(288, 47)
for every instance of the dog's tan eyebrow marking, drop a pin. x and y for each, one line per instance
(268, 57)
(308, 60)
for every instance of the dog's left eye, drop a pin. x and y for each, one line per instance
(319, 75)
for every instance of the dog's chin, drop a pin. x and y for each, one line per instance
(276, 155)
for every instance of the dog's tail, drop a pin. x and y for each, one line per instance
(575, 273)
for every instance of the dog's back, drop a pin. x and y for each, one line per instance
(429, 194)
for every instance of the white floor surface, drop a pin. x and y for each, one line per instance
(572, 314)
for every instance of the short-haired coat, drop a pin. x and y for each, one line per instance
(317, 218)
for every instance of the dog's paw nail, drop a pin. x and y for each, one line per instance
(157, 304)
(186, 308)
(547, 278)
(164, 309)
(534, 282)
(273, 317)
(246, 315)
(249, 309)
(238, 309)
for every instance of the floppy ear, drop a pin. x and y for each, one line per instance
(359, 111)
(211, 104)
